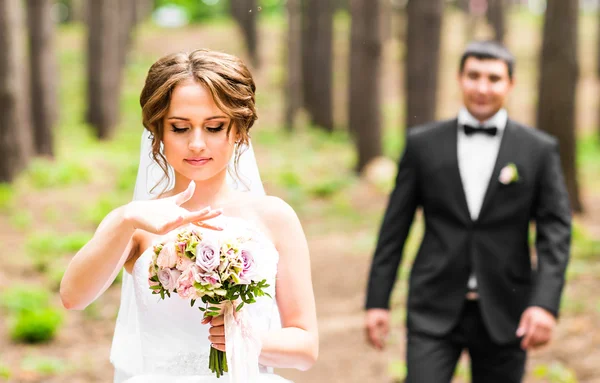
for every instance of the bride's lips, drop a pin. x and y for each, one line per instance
(197, 161)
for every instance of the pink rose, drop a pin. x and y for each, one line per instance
(167, 258)
(168, 278)
(248, 267)
(183, 263)
(207, 256)
(185, 284)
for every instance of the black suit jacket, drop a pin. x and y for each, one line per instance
(495, 246)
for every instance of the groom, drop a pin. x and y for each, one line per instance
(480, 179)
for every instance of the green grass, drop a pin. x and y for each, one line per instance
(44, 174)
(554, 373)
(7, 196)
(21, 298)
(44, 248)
(5, 371)
(44, 365)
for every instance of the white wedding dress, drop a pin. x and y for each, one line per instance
(174, 343)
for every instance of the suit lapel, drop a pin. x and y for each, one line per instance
(506, 155)
(451, 142)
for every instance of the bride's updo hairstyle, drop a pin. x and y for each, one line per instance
(225, 76)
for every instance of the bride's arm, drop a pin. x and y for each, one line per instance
(296, 344)
(97, 264)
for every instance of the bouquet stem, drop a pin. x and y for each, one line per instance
(217, 362)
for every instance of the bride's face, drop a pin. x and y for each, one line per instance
(195, 138)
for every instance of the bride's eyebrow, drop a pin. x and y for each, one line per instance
(206, 119)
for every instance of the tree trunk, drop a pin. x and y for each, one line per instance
(365, 63)
(245, 13)
(559, 72)
(43, 72)
(318, 58)
(294, 56)
(15, 134)
(142, 10)
(104, 65)
(496, 13)
(598, 71)
(309, 34)
(422, 59)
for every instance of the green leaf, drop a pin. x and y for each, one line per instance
(192, 302)
(156, 287)
(239, 307)
(214, 308)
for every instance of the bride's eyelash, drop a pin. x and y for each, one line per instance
(177, 130)
(215, 129)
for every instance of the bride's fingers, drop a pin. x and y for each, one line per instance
(201, 215)
(217, 321)
(217, 331)
(207, 226)
(216, 339)
(220, 347)
(185, 195)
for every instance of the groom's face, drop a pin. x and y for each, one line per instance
(485, 85)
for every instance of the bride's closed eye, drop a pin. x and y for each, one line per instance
(215, 129)
(211, 129)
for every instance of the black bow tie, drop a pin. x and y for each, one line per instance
(490, 131)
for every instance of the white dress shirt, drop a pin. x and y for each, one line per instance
(477, 155)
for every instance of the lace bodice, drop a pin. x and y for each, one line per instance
(173, 339)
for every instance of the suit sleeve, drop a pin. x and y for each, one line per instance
(394, 230)
(553, 239)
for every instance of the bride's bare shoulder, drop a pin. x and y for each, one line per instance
(276, 214)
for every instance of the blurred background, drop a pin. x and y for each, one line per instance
(338, 83)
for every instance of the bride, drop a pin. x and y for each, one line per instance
(197, 109)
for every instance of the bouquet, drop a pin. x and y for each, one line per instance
(219, 271)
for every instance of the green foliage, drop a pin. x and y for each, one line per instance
(5, 372)
(584, 246)
(35, 326)
(95, 213)
(127, 176)
(328, 187)
(21, 219)
(214, 10)
(43, 248)
(554, 373)
(199, 10)
(397, 370)
(21, 298)
(462, 370)
(43, 365)
(7, 194)
(31, 319)
(46, 173)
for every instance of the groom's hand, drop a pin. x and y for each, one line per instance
(377, 325)
(535, 327)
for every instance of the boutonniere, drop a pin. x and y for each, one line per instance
(509, 174)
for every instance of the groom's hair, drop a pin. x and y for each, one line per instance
(488, 50)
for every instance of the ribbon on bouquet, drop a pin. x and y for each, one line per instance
(242, 343)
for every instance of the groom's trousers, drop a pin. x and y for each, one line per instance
(432, 359)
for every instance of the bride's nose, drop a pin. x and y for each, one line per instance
(197, 140)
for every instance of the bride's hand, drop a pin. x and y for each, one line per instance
(163, 215)
(216, 331)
